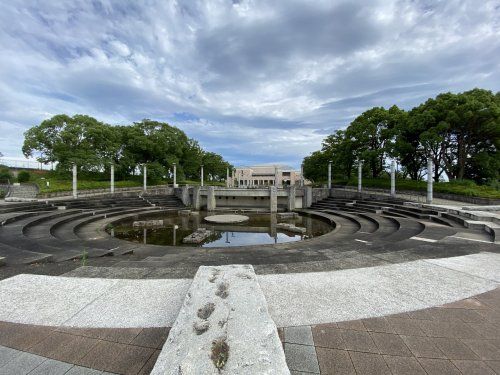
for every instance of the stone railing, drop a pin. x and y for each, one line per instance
(136, 190)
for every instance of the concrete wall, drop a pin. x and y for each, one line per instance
(383, 194)
(153, 190)
(245, 198)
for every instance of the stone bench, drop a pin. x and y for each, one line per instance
(223, 325)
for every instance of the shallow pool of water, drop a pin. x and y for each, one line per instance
(259, 230)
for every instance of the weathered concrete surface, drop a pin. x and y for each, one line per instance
(323, 297)
(287, 215)
(292, 192)
(291, 228)
(308, 197)
(92, 303)
(211, 198)
(186, 201)
(147, 223)
(198, 236)
(226, 219)
(223, 303)
(196, 198)
(273, 199)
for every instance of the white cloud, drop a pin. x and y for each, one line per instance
(273, 76)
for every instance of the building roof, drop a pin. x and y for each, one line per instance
(279, 166)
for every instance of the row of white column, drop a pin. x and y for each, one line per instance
(430, 173)
(112, 178)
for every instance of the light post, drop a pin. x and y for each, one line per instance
(145, 175)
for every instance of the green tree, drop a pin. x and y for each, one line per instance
(79, 139)
(372, 135)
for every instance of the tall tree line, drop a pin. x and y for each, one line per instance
(459, 132)
(94, 145)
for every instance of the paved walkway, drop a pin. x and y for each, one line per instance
(376, 320)
(458, 338)
(293, 299)
(56, 350)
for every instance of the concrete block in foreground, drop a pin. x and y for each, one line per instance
(223, 327)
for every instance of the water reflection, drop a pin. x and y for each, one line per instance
(260, 229)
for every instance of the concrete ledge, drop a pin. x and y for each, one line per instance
(223, 327)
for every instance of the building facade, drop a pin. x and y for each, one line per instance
(266, 175)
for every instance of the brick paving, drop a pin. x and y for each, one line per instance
(119, 351)
(458, 338)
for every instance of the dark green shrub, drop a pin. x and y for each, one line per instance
(5, 175)
(23, 176)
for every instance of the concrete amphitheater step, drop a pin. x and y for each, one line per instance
(366, 225)
(13, 236)
(128, 272)
(26, 207)
(92, 228)
(14, 255)
(28, 191)
(8, 218)
(345, 225)
(45, 228)
(433, 232)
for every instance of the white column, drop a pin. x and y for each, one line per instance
(302, 175)
(112, 178)
(233, 172)
(145, 175)
(227, 177)
(201, 178)
(175, 174)
(276, 176)
(360, 174)
(430, 173)
(393, 179)
(75, 191)
(329, 175)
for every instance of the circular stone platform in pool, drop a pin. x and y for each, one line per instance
(226, 219)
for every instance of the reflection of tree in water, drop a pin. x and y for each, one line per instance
(213, 237)
(258, 223)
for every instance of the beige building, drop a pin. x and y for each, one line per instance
(266, 175)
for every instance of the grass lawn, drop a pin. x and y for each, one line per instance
(58, 184)
(467, 188)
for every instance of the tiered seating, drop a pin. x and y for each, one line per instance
(365, 233)
(165, 201)
(105, 201)
(38, 232)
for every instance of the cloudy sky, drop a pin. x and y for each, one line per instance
(256, 81)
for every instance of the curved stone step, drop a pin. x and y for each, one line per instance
(14, 255)
(365, 225)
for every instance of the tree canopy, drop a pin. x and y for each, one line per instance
(93, 145)
(459, 132)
